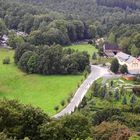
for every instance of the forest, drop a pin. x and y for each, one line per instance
(50, 60)
(124, 4)
(45, 26)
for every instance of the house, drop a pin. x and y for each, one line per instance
(99, 41)
(133, 64)
(3, 41)
(5, 38)
(110, 50)
(21, 33)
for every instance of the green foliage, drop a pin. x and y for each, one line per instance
(124, 100)
(105, 114)
(114, 65)
(15, 41)
(32, 63)
(134, 50)
(6, 60)
(116, 95)
(94, 56)
(124, 4)
(36, 89)
(112, 38)
(95, 89)
(26, 138)
(4, 137)
(19, 120)
(21, 50)
(3, 29)
(103, 92)
(52, 60)
(111, 83)
(111, 130)
(133, 99)
(90, 49)
(56, 108)
(62, 102)
(107, 96)
(32, 118)
(135, 137)
(23, 62)
(124, 69)
(136, 108)
(68, 127)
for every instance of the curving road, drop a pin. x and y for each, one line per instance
(96, 72)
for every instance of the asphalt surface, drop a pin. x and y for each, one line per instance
(96, 72)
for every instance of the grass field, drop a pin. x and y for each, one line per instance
(45, 92)
(84, 47)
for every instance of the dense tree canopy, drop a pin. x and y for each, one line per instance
(135, 4)
(52, 22)
(114, 65)
(3, 29)
(50, 60)
(19, 120)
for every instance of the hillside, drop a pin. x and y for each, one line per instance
(87, 9)
(124, 4)
(51, 52)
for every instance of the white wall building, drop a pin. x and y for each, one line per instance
(133, 64)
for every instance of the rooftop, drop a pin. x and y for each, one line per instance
(125, 57)
(109, 46)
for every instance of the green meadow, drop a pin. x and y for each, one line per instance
(45, 92)
(84, 47)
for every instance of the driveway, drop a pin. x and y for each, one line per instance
(96, 72)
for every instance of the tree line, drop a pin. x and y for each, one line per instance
(54, 21)
(127, 37)
(44, 27)
(25, 122)
(20, 121)
(135, 4)
(50, 59)
(62, 32)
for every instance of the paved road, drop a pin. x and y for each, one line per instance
(96, 72)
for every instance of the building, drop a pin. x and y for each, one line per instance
(133, 64)
(4, 41)
(110, 50)
(99, 41)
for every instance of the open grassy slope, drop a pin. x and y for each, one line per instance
(40, 91)
(84, 47)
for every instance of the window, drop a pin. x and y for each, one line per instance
(135, 65)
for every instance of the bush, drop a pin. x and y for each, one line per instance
(111, 83)
(136, 108)
(90, 42)
(114, 66)
(88, 69)
(56, 108)
(6, 60)
(105, 115)
(124, 69)
(124, 100)
(111, 131)
(68, 100)
(136, 91)
(133, 99)
(62, 102)
(94, 56)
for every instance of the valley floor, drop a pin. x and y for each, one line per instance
(45, 92)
